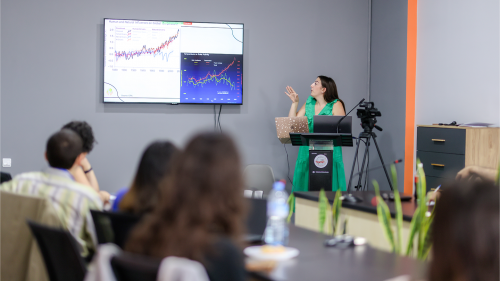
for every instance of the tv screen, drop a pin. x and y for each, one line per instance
(149, 61)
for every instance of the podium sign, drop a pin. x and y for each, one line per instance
(320, 170)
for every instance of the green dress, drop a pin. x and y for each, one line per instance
(301, 174)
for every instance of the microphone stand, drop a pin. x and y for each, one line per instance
(338, 123)
(349, 197)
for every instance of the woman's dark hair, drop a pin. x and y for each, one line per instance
(465, 233)
(84, 130)
(331, 93)
(200, 202)
(155, 164)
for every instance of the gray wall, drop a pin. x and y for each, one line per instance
(51, 60)
(458, 62)
(388, 85)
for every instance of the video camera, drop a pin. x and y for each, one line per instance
(367, 116)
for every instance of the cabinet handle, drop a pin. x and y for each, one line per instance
(441, 140)
(437, 165)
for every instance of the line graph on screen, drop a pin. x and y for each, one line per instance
(214, 77)
(147, 48)
(211, 78)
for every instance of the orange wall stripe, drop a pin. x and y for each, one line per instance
(411, 68)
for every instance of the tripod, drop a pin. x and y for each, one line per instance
(367, 134)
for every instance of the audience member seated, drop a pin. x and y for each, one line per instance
(201, 210)
(144, 192)
(466, 233)
(71, 200)
(86, 174)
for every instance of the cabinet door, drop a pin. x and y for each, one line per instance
(441, 165)
(441, 140)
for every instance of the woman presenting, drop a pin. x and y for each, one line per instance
(324, 100)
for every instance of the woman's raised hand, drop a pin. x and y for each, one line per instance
(292, 94)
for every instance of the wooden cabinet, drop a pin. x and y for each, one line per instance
(445, 150)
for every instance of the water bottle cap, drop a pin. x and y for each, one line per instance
(279, 185)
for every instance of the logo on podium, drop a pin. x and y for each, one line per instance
(320, 161)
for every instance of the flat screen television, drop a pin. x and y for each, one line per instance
(148, 61)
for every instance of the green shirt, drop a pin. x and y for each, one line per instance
(71, 200)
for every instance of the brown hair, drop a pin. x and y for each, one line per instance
(201, 201)
(465, 233)
(331, 92)
(155, 164)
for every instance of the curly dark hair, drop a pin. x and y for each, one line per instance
(200, 201)
(84, 130)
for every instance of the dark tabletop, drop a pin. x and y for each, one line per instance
(408, 207)
(316, 262)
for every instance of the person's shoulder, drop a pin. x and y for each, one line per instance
(119, 196)
(85, 191)
(29, 176)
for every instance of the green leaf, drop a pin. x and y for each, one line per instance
(414, 227)
(426, 233)
(384, 217)
(337, 204)
(323, 204)
(291, 204)
(422, 205)
(399, 211)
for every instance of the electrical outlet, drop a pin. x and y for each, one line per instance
(6, 162)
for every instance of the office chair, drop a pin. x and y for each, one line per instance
(60, 253)
(113, 227)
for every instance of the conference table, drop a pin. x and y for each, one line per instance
(317, 262)
(362, 216)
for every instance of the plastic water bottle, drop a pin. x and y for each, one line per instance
(277, 211)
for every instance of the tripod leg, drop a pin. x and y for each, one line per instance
(383, 164)
(364, 160)
(353, 164)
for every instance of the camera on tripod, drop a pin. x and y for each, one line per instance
(367, 115)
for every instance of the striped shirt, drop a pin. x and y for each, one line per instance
(71, 200)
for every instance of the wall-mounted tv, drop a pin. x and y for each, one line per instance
(148, 61)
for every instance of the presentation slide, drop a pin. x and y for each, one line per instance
(172, 62)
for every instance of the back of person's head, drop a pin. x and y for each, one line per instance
(84, 130)
(63, 148)
(331, 92)
(155, 164)
(201, 201)
(465, 233)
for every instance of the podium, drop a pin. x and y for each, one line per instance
(320, 155)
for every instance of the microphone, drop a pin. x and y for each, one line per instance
(338, 123)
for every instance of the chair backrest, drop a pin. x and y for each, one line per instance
(259, 177)
(113, 227)
(18, 247)
(5, 177)
(60, 253)
(257, 216)
(130, 267)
